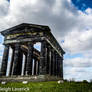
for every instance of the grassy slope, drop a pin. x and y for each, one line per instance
(51, 87)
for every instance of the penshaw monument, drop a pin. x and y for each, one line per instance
(21, 39)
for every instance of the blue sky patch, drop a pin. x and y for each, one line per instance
(69, 56)
(1, 39)
(82, 4)
(62, 41)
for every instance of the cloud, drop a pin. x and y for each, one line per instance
(78, 41)
(78, 73)
(3, 8)
(78, 62)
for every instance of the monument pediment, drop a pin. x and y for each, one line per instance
(25, 28)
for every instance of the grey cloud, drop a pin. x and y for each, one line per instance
(4, 5)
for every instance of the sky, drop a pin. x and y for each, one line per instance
(70, 22)
(82, 4)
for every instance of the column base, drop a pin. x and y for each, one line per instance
(37, 78)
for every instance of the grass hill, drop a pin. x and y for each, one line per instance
(51, 86)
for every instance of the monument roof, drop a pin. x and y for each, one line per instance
(25, 25)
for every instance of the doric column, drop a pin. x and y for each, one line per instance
(20, 62)
(15, 62)
(55, 62)
(29, 59)
(25, 64)
(35, 61)
(54, 56)
(61, 67)
(43, 58)
(4, 61)
(38, 64)
(58, 65)
(12, 59)
(51, 61)
(37, 68)
(48, 59)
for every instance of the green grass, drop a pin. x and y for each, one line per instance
(51, 86)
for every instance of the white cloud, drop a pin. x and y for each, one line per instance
(78, 74)
(78, 62)
(78, 41)
(89, 11)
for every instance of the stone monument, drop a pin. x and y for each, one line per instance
(21, 38)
